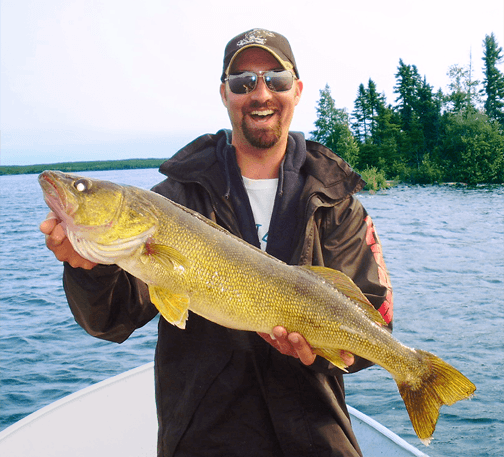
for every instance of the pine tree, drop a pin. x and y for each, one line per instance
(408, 82)
(493, 81)
(420, 111)
(332, 128)
(376, 103)
(361, 115)
(367, 107)
(428, 110)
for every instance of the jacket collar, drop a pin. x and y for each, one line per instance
(197, 162)
(327, 174)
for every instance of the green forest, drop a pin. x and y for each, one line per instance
(424, 136)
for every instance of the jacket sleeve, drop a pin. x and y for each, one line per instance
(349, 243)
(107, 302)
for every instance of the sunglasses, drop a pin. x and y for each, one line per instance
(246, 81)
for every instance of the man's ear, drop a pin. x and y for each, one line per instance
(223, 94)
(299, 90)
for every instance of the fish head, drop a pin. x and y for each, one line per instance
(102, 220)
(79, 200)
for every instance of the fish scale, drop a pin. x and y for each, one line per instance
(190, 263)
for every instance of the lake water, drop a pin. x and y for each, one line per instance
(444, 248)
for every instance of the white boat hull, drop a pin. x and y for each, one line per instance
(117, 417)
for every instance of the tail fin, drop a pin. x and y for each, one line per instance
(440, 385)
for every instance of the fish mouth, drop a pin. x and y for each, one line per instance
(55, 196)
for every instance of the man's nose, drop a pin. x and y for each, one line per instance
(261, 92)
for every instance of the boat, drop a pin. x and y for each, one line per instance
(117, 417)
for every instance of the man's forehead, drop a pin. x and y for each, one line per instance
(255, 56)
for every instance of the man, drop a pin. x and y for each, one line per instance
(223, 392)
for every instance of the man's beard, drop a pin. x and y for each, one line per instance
(262, 138)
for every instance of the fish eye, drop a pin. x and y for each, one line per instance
(82, 185)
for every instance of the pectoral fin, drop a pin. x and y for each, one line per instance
(174, 308)
(166, 256)
(347, 287)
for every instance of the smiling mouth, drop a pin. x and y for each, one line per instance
(262, 115)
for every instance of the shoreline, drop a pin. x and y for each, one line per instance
(135, 164)
(70, 167)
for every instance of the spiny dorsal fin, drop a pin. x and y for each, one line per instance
(174, 308)
(347, 287)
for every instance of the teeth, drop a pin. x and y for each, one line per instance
(262, 113)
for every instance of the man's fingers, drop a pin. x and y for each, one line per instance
(51, 227)
(278, 339)
(56, 237)
(347, 357)
(76, 261)
(280, 336)
(295, 345)
(47, 226)
(302, 348)
(59, 244)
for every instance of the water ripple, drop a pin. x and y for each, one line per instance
(443, 247)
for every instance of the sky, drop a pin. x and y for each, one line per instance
(117, 79)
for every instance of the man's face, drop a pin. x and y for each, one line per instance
(262, 117)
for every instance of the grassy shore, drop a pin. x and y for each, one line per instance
(71, 167)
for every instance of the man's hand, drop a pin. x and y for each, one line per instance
(59, 244)
(295, 345)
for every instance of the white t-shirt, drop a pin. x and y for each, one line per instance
(261, 193)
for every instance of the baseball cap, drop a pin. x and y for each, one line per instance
(272, 42)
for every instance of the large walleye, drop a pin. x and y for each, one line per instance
(190, 263)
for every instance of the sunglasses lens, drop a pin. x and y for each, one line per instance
(279, 81)
(242, 83)
(276, 81)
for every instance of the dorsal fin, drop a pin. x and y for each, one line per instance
(346, 286)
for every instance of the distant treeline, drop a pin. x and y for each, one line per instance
(72, 167)
(424, 136)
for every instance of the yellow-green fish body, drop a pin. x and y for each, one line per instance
(190, 263)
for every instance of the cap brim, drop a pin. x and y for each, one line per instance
(281, 60)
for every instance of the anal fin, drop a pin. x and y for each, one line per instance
(334, 356)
